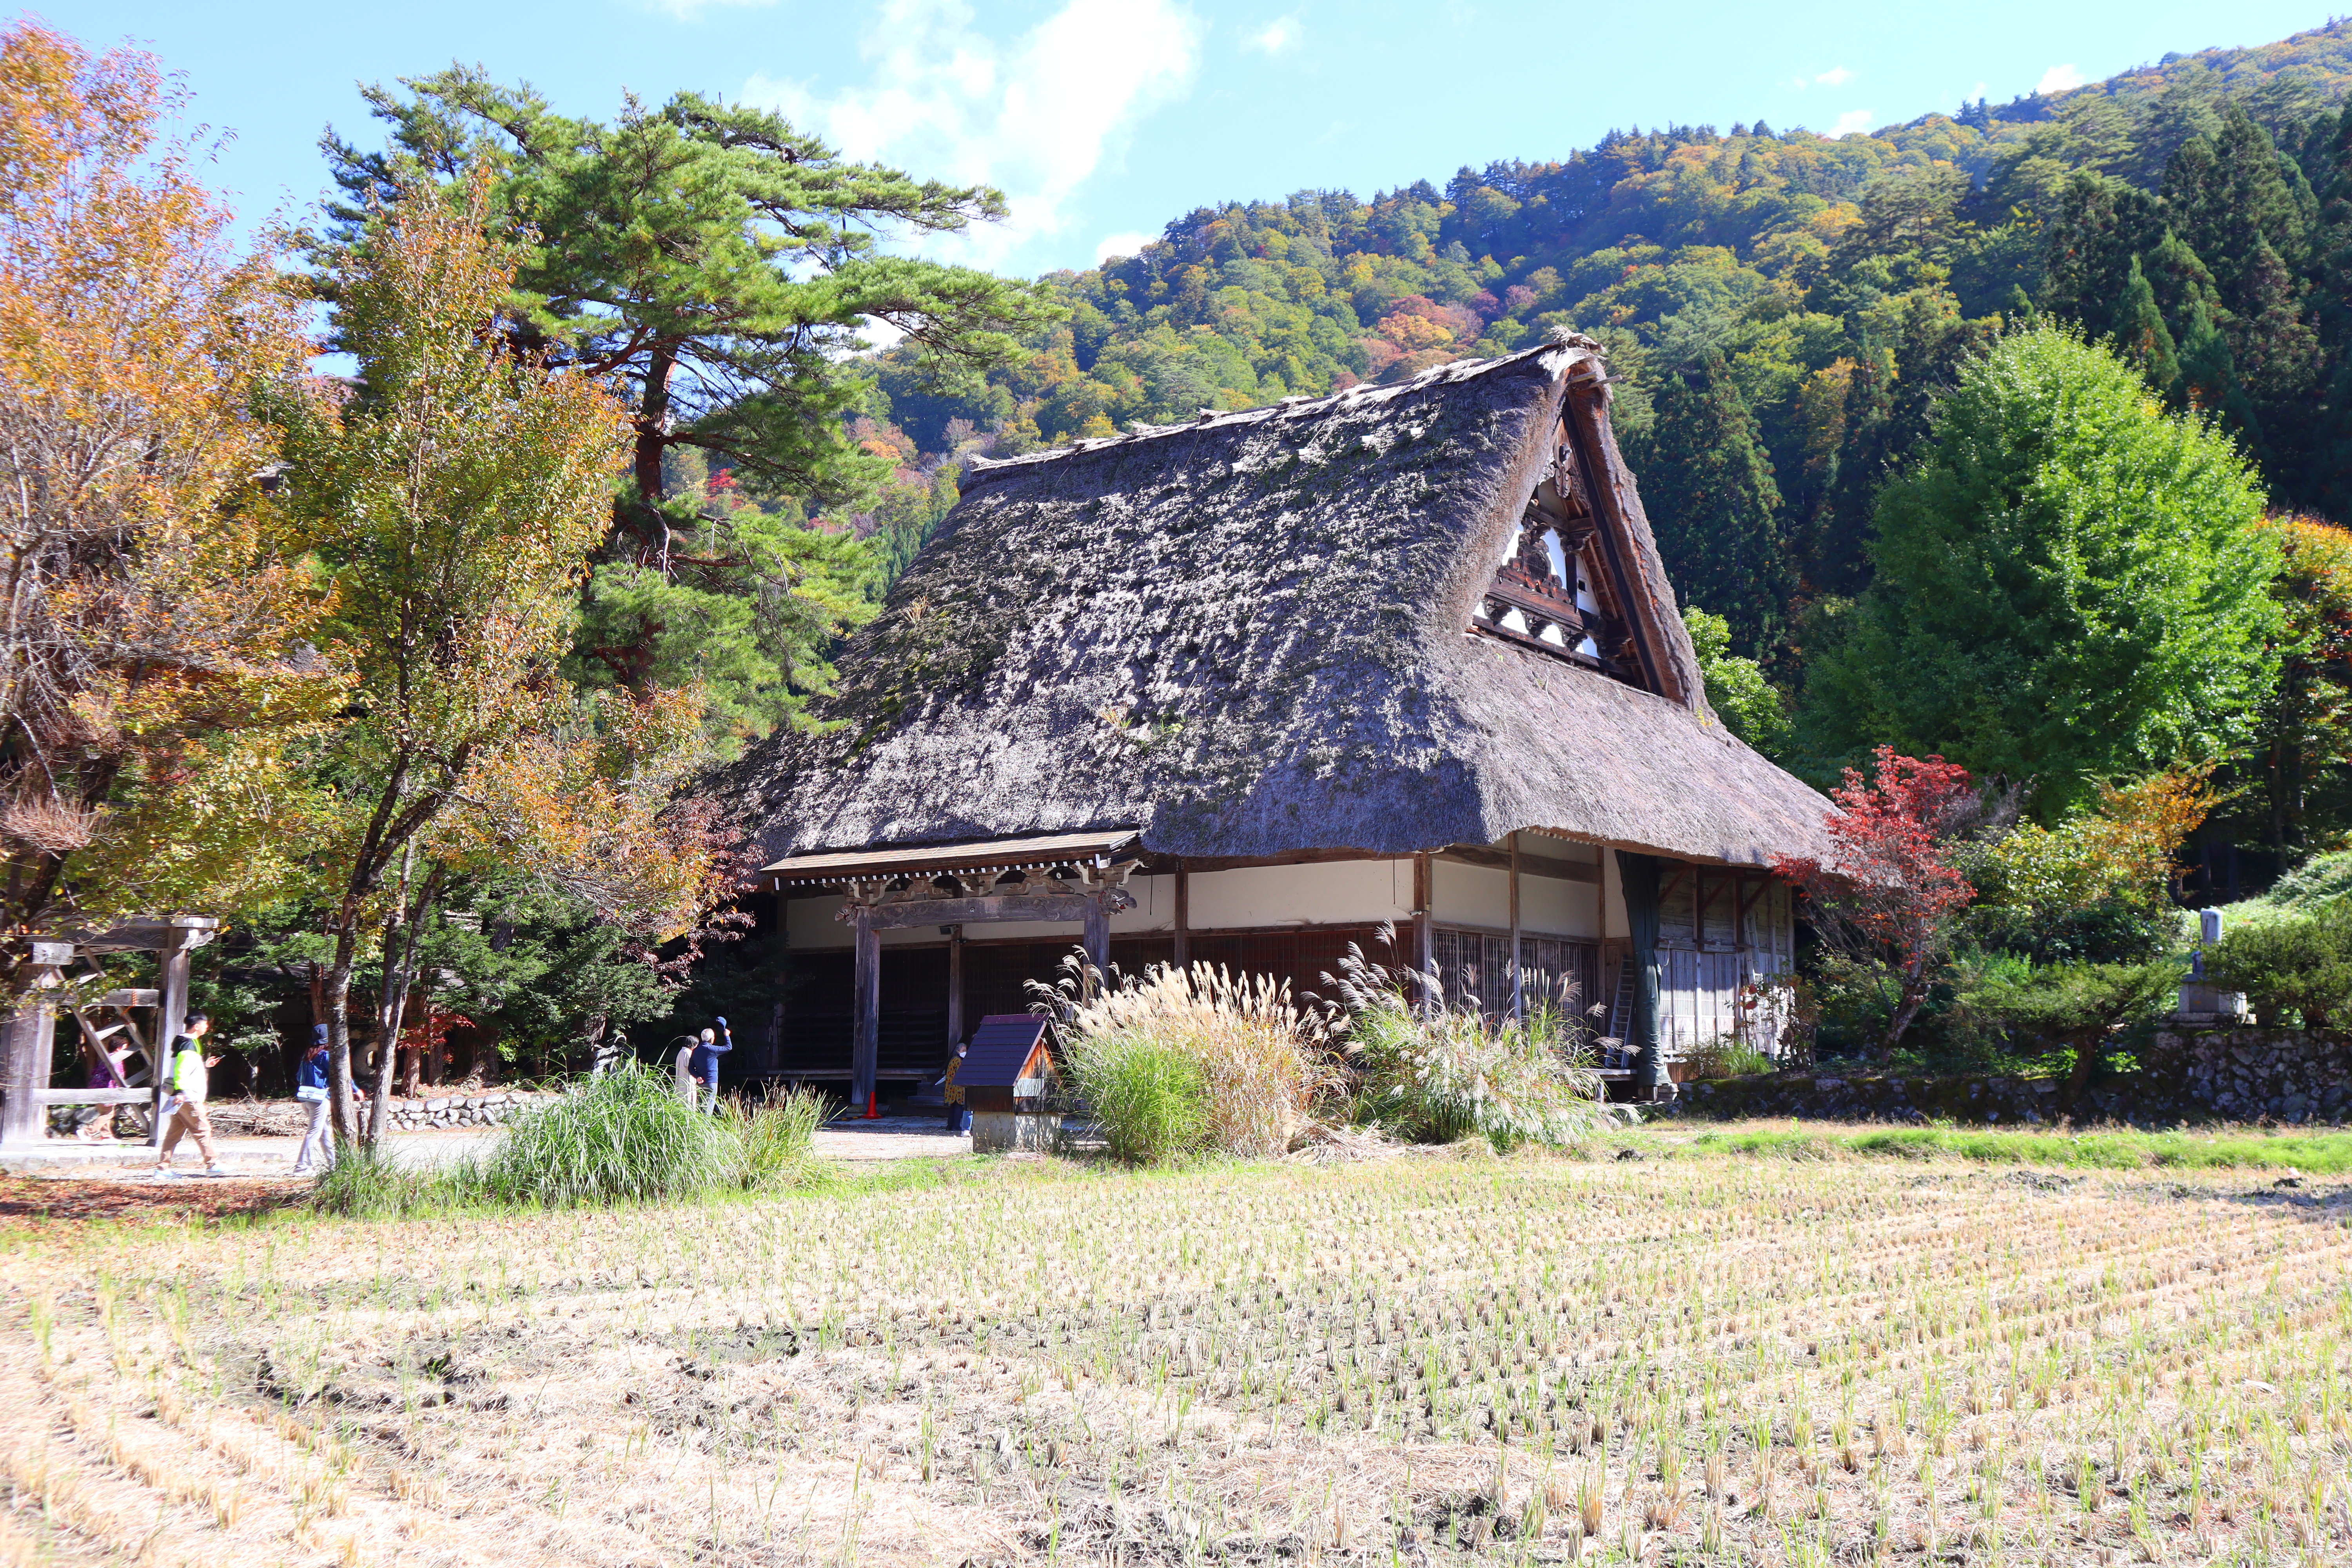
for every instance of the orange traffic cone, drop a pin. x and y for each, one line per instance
(873, 1105)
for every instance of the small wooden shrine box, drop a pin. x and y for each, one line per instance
(1005, 1077)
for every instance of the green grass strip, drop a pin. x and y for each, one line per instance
(2324, 1153)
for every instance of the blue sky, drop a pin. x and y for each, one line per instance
(1104, 118)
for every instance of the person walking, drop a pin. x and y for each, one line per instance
(310, 1089)
(959, 1109)
(191, 1079)
(702, 1066)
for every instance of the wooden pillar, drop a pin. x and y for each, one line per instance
(866, 1042)
(29, 1036)
(1183, 915)
(955, 985)
(782, 978)
(1518, 970)
(171, 1011)
(28, 1046)
(1424, 937)
(1098, 935)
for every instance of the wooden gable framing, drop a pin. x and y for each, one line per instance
(1568, 584)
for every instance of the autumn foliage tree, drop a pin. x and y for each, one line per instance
(150, 663)
(1887, 895)
(452, 498)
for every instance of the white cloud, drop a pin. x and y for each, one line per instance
(1852, 119)
(2058, 79)
(1836, 75)
(1127, 242)
(692, 10)
(1279, 37)
(1037, 117)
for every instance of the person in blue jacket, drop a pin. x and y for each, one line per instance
(702, 1066)
(311, 1090)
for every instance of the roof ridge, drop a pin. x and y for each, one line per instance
(1297, 407)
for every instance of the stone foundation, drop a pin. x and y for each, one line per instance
(1005, 1131)
(2293, 1077)
(486, 1109)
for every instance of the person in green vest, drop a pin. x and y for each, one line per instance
(189, 1080)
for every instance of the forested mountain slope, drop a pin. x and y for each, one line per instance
(1780, 306)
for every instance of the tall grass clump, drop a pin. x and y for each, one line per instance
(624, 1136)
(1150, 1100)
(1437, 1072)
(366, 1182)
(775, 1138)
(1183, 1060)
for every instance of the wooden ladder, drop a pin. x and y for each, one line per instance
(1621, 1009)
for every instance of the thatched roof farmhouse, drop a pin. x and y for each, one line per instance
(1244, 689)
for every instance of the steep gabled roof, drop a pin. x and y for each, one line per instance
(1251, 634)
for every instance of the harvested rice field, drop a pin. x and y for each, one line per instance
(1704, 1359)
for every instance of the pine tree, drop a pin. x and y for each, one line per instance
(2141, 334)
(1708, 488)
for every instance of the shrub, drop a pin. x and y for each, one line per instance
(1150, 1098)
(1721, 1057)
(624, 1135)
(2078, 1005)
(1437, 1072)
(1259, 1060)
(2299, 964)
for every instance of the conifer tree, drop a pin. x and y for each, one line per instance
(1709, 491)
(2141, 334)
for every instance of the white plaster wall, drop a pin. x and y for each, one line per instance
(809, 923)
(1339, 892)
(1552, 907)
(1470, 895)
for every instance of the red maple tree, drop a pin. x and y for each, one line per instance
(1887, 894)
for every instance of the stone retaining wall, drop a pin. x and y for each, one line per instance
(2289, 1075)
(1963, 1098)
(486, 1109)
(2249, 1074)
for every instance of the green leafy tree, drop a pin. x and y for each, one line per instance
(452, 502)
(1735, 688)
(2070, 585)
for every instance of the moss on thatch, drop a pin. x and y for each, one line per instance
(1249, 635)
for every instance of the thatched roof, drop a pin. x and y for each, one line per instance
(1249, 635)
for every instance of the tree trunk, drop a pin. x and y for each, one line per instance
(1913, 997)
(2088, 1049)
(399, 975)
(337, 995)
(653, 431)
